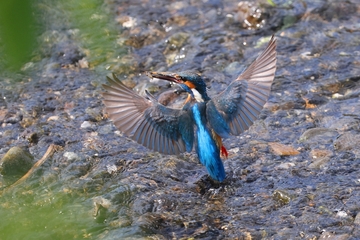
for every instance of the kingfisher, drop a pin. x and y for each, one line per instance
(202, 121)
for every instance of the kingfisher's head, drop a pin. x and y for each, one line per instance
(193, 80)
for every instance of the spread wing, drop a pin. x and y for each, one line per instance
(238, 106)
(146, 121)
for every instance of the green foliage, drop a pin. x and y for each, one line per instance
(17, 31)
(271, 2)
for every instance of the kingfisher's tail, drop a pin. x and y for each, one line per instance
(215, 168)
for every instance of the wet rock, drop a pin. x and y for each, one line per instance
(357, 219)
(320, 153)
(105, 129)
(313, 100)
(28, 121)
(94, 114)
(86, 124)
(142, 205)
(12, 116)
(47, 140)
(100, 206)
(149, 222)
(331, 236)
(349, 141)
(351, 93)
(345, 123)
(285, 166)
(120, 222)
(71, 156)
(3, 113)
(67, 53)
(342, 214)
(319, 158)
(124, 65)
(289, 102)
(174, 51)
(75, 170)
(233, 69)
(318, 134)
(16, 162)
(30, 135)
(83, 63)
(336, 10)
(53, 118)
(282, 197)
(249, 15)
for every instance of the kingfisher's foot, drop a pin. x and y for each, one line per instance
(223, 152)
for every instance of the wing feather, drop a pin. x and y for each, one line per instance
(138, 130)
(150, 139)
(144, 119)
(157, 141)
(266, 60)
(239, 124)
(242, 101)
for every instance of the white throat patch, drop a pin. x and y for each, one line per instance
(197, 95)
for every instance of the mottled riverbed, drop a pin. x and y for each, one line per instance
(295, 174)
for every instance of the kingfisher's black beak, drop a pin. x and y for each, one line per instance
(171, 77)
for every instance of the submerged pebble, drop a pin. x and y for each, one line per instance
(16, 162)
